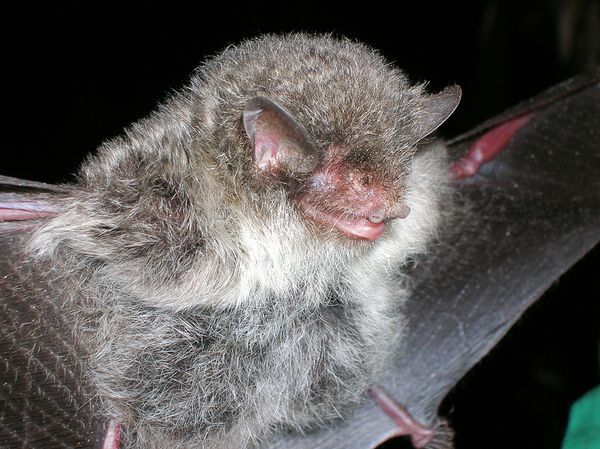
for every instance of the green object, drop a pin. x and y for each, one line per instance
(583, 430)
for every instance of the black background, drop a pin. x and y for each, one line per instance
(76, 75)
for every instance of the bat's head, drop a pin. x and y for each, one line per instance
(330, 122)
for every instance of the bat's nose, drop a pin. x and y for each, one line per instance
(377, 215)
(400, 210)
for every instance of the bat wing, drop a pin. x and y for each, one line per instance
(44, 399)
(524, 219)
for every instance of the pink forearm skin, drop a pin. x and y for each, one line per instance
(112, 439)
(488, 147)
(420, 436)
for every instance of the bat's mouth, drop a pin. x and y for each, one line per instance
(354, 226)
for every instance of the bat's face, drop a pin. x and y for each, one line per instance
(335, 126)
(349, 187)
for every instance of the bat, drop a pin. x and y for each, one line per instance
(219, 261)
(265, 121)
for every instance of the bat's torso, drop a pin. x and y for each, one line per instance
(232, 374)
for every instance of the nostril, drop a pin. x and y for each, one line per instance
(400, 211)
(377, 215)
(403, 211)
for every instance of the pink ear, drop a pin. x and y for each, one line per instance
(278, 141)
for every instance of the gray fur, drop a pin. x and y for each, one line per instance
(209, 312)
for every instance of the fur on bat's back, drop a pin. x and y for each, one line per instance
(206, 308)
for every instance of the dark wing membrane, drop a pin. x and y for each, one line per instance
(44, 400)
(523, 220)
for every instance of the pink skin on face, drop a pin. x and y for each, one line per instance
(351, 202)
(353, 226)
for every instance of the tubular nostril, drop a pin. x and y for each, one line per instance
(377, 215)
(403, 211)
(399, 211)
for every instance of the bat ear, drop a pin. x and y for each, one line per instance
(278, 141)
(438, 107)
